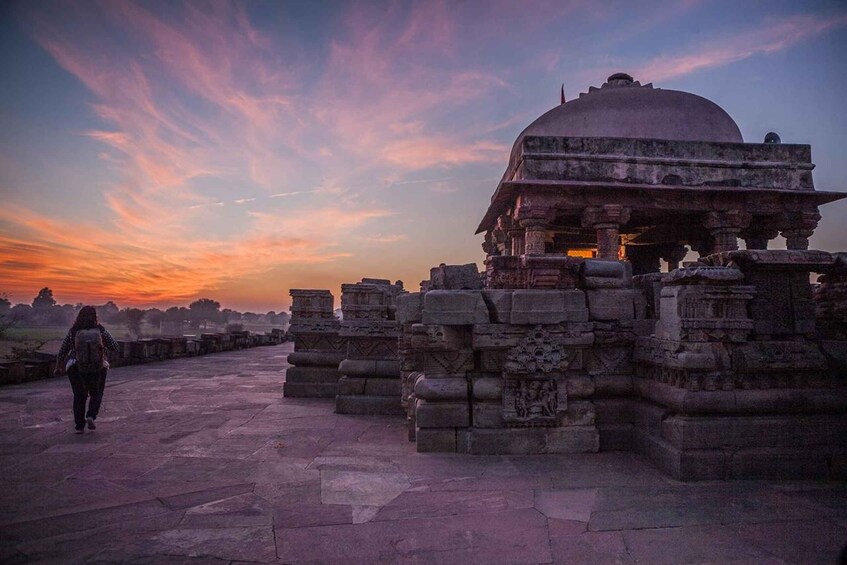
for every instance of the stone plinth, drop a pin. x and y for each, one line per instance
(716, 380)
(370, 371)
(782, 306)
(318, 349)
(499, 371)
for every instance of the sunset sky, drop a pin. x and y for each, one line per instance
(155, 152)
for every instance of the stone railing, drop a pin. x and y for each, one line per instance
(39, 365)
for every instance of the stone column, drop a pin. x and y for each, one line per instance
(517, 239)
(606, 220)
(724, 227)
(799, 227)
(318, 349)
(758, 238)
(535, 236)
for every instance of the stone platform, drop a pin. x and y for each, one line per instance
(202, 460)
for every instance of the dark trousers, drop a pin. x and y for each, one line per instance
(86, 385)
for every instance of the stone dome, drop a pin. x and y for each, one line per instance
(623, 107)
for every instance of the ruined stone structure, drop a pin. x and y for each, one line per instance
(727, 367)
(318, 349)
(370, 372)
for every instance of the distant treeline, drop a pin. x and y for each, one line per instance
(45, 311)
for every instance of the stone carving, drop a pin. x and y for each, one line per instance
(539, 352)
(532, 402)
(448, 362)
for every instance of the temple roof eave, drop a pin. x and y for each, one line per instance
(507, 192)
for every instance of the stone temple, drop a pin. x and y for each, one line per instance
(574, 339)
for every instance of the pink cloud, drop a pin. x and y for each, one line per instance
(777, 36)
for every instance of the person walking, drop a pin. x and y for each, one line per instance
(83, 356)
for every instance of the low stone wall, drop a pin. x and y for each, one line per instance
(41, 365)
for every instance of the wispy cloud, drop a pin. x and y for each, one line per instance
(765, 39)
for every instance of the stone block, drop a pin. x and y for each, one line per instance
(438, 337)
(531, 307)
(644, 328)
(409, 308)
(448, 363)
(488, 388)
(572, 439)
(499, 304)
(370, 368)
(613, 385)
(442, 414)
(613, 411)
(441, 389)
(383, 387)
(492, 360)
(435, 440)
(606, 274)
(610, 304)
(778, 463)
(321, 375)
(455, 307)
(579, 413)
(796, 430)
(488, 415)
(315, 358)
(580, 387)
(609, 360)
(648, 416)
(455, 277)
(768, 356)
(497, 336)
(697, 465)
(351, 385)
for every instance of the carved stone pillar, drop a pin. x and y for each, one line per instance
(517, 237)
(606, 220)
(724, 227)
(758, 238)
(503, 235)
(536, 234)
(799, 227)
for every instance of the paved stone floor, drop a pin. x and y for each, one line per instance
(203, 460)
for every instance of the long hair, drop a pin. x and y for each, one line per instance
(86, 319)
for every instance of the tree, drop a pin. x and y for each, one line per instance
(22, 313)
(108, 313)
(5, 304)
(230, 316)
(132, 318)
(203, 311)
(154, 316)
(44, 300)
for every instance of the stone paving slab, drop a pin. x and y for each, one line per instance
(203, 461)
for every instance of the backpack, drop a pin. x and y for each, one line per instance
(89, 350)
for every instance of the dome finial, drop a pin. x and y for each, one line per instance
(620, 79)
(563, 94)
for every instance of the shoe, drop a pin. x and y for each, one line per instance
(91, 424)
(79, 430)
